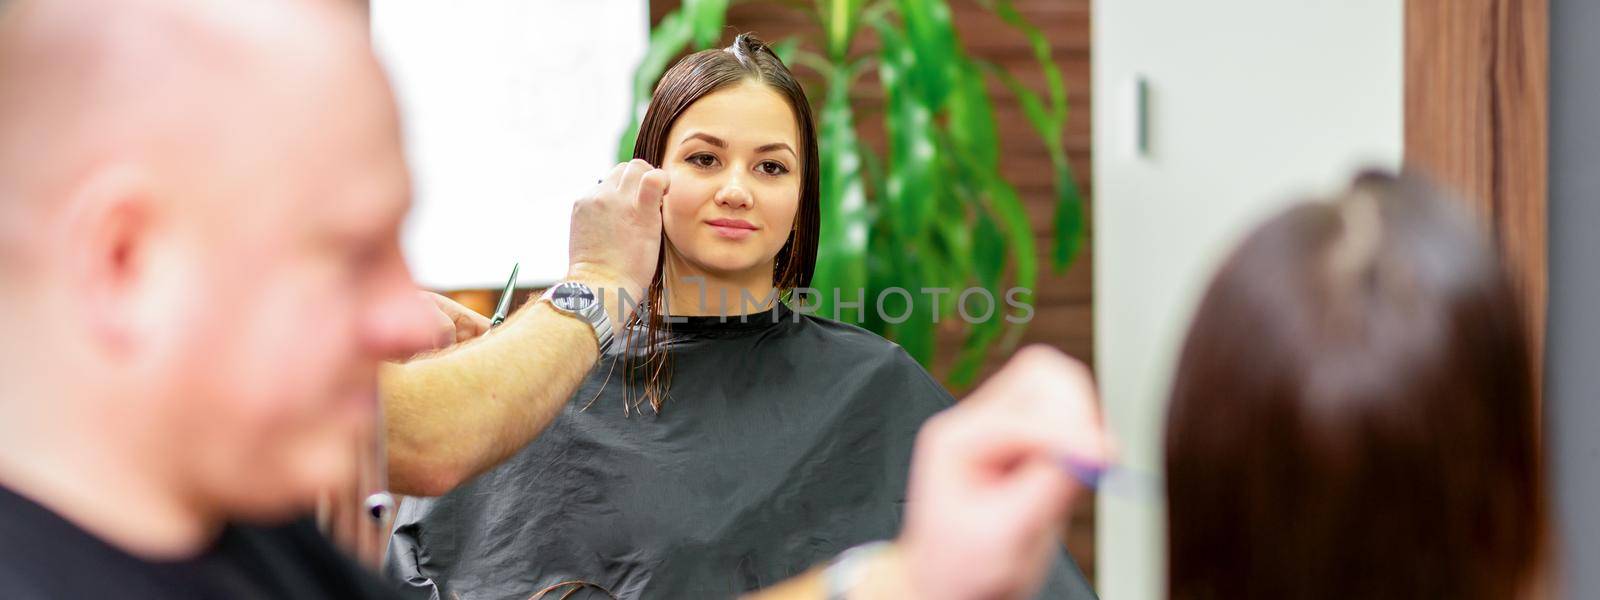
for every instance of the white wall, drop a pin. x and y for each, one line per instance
(1252, 102)
(512, 110)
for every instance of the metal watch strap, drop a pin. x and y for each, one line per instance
(601, 323)
(595, 315)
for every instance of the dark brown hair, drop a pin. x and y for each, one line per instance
(692, 78)
(1353, 413)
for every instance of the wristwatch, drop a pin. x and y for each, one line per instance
(581, 301)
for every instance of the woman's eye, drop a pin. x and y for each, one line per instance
(770, 167)
(703, 160)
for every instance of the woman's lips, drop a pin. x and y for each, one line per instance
(733, 229)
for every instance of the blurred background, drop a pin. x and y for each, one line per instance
(1104, 154)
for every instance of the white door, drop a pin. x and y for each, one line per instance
(1250, 104)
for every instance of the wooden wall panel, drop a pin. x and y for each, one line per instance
(1477, 84)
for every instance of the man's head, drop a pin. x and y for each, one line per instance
(199, 213)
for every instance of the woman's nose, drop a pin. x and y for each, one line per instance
(734, 195)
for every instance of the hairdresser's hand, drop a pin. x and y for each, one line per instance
(454, 323)
(616, 234)
(989, 496)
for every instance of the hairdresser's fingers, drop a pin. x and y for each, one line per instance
(1037, 503)
(459, 322)
(983, 503)
(630, 171)
(469, 325)
(989, 449)
(635, 170)
(443, 326)
(1053, 392)
(988, 446)
(652, 187)
(1038, 373)
(613, 178)
(1039, 493)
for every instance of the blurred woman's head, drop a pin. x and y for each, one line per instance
(1353, 413)
(733, 129)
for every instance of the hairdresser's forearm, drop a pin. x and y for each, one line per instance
(456, 414)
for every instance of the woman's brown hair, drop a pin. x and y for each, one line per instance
(1353, 414)
(694, 77)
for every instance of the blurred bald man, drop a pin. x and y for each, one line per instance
(199, 213)
(199, 207)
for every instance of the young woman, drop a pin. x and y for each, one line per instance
(733, 442)
(1353, 414)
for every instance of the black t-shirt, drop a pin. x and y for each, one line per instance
(44, 556)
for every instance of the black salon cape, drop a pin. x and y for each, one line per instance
(785, 440)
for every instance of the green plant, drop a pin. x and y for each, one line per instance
(935, 211)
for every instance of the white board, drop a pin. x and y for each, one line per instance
(511, 109)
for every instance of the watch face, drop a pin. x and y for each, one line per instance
(572, 297)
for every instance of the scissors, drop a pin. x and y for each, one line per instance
(504, 307)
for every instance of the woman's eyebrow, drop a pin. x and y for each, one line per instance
(776, 146)
(709, 139)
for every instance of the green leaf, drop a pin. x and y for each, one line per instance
(1069, 198)
(1041, 53)
(916, 330)
(956, 240)
(971, 121)
(785, 49)
(948, 260)
(883, 272)
(989, 251)
(972, 141)
(1069, 216)
(975, 350)
(1049, 121)
(1007, 205)
(840, 18)
(917, 334)
(1042, 120)
(706, 18)
(933, 41)
(912, 181)
(843, 239)
(884, 257)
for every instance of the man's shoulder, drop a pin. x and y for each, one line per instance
(302, 562)
(45, 556)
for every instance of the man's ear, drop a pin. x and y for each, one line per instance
(107, 242)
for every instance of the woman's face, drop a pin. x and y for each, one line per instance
(734, 160)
